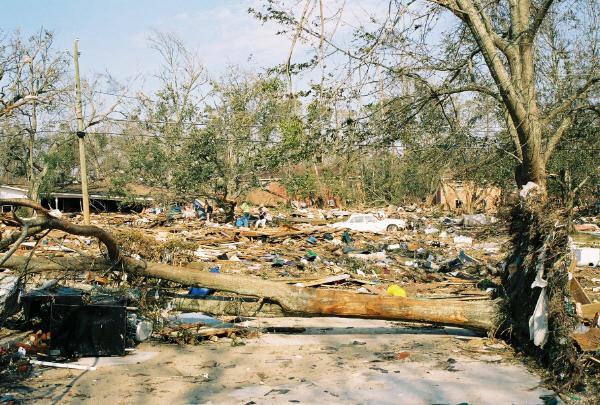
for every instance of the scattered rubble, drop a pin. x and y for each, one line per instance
(425, 256)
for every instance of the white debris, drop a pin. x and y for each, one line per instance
(538, 322)
(527, 189)
(587, 256)
(336, 241)
(475, 220)
(580, 329)
(376, 256)
(55, 213)
(489, 247)
(460, 240)
(431, 231)
(9, 293)
(161, 236)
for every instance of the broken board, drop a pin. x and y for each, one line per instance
(589, 341)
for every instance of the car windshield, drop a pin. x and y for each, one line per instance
(355, 220)
(369, 218)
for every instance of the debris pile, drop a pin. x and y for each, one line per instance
(545, 311)
(185, 280)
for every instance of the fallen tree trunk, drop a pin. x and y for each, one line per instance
(297, 301)
(234, 306)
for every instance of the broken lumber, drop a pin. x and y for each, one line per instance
(589, 311)
(326, 280)
(62, 365)
(588, 341)
(577, 291)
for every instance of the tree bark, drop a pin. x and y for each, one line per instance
(228, 307)
(293, 300)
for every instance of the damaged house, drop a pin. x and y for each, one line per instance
(70, 199)
(466, 196)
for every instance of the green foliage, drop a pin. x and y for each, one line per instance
(300, 184)
(244, 137)
(59, 163)
(577, 157)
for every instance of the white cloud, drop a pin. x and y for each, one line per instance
(227, 34)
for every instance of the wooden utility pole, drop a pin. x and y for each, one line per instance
(81, 136)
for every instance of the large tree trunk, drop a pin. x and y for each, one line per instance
(293, 300)
(532, 169)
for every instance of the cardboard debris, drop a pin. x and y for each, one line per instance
(588, 341)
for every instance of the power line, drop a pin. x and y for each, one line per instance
(119, 95)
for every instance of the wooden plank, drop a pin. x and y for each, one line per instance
(589, 341)
(589, 311)
(327, 280)
(577, 292)
(361, 281)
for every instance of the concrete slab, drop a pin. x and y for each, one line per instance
(335, 361)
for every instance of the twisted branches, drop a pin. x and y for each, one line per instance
(45, 221)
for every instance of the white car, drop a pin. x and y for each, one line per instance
(369, 223)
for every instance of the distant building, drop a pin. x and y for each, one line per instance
(11, 192)
(466, 196)
(271, 194)
(70, 199)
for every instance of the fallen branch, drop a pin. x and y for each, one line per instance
(46, 221)
(15, 246)
(13, 237)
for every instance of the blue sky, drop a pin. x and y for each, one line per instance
(113, 33)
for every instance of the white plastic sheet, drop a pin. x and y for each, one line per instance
(538, 322)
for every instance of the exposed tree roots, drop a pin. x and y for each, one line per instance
(540, 238)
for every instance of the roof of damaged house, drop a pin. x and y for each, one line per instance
(104, 192)
(12, 191)
(97, 191)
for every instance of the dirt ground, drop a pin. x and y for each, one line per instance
(345, 361)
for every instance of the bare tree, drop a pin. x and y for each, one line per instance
(163, 120)
(38, 81)
(46, 122)
(182, 77)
